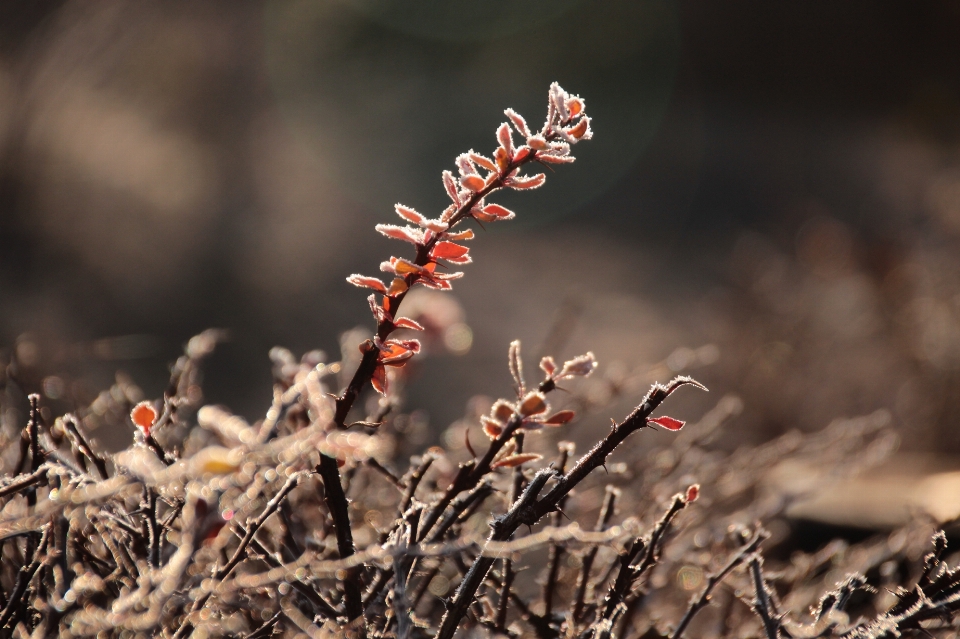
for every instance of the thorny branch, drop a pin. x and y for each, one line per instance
(148, 541)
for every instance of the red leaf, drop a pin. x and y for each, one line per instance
(448, 250)
(667, 422)
(560, 417)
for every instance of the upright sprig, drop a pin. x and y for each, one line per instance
(436, 240)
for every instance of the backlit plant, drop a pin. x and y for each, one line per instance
(305, 523)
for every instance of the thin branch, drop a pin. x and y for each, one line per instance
(556, 550)
(714, 579)
(25, 576)
(606, 513)
(337, 504)
(763, 605)
(239, 554)
(529, 509)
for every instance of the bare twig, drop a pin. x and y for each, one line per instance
(714, 579)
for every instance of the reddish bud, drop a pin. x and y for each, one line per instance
(693, 492)
(144, 415)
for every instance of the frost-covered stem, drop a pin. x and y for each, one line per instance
(508, 574)
(368, 363)
(337, 504)
(629, 573)
(240, 553)
(529, 510)
(26, 575)
(762, 605)
(606, 512)
(556, 550)
(714, 579)
(503, 528)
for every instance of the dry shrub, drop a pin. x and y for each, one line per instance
(310, 521)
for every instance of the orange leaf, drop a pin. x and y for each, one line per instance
(560, 417)
(144, 415)
(397, 286)
(533, 404)
(405, 267)
(515, 460)
(580, 128)
(448, 250)
(379, 379)
(491, 427)
(499, 212)
(472, 183)
(462, 235)
(367, 282)
(502, 410)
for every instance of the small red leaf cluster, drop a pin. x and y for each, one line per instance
(435, 241)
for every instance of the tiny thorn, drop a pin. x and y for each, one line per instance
(466, 438)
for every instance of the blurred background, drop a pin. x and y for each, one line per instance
(771, 201)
